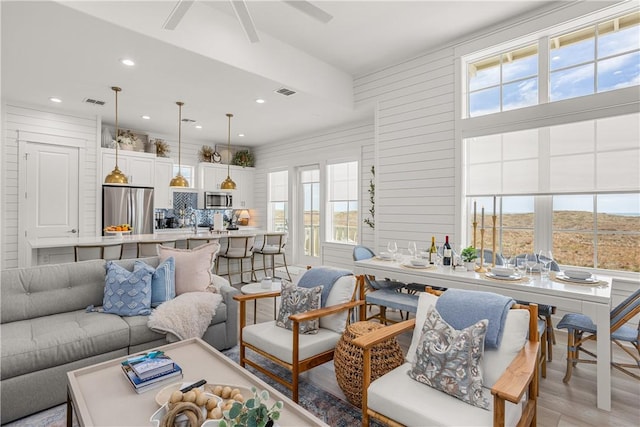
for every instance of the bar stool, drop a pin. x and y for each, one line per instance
(240, 248)
(147, 249)
(194, 242)
(106, 251)
(272, 245)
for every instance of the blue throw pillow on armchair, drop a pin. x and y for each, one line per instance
(127, 293)
(163, 281)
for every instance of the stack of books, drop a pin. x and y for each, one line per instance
(150, 370)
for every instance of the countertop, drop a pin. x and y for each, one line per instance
(161, 236)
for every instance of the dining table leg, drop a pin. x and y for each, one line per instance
(600, 313)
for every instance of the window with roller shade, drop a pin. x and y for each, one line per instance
(580, 180)
(278, 206)
(342, 202)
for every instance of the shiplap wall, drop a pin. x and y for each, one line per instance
(37, 120)
(313, 149)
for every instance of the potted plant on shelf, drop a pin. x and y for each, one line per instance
(469, 256)
(252, 412)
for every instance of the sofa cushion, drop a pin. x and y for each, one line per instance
(277, 341)
(163, 281)
(416, 404)
(36, 344)
(139, 333)
(193, 266)
(127, 293)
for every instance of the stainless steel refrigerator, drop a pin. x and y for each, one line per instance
(128, 205)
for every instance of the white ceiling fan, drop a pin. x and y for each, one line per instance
(242, 12)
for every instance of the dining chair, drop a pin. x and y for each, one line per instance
(581, 329)
(286, 345)
(272, 245)
(149, 249)
(109, 251)
(194, 242)
(384, 293)
(508, 374)
(239, 248)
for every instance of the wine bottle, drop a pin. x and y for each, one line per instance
(433, 251)
(446, 252)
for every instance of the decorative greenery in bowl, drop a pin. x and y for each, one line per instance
(253, 412)
(469, 254)
(243, 158)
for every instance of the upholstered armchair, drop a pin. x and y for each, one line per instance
(288, 341)
(508, 373)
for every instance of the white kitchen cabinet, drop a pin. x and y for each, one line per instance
(138, 167)
(163, 195)
(210, 176)
(243, 195)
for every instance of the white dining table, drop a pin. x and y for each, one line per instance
(593, 301)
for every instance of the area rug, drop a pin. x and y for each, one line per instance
(324, 405)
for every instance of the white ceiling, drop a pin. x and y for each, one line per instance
(71, 50)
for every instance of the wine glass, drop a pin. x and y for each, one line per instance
(545, 258)
(531, 261)
(392, 247)
(412, 249)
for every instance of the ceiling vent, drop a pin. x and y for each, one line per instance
(188, 120)
(284, 91)
(93, 101)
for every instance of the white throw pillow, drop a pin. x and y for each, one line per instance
(193, 266)
(340, 293)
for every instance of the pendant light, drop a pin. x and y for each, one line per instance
(116, 177)
(228, 183)
(179, 180)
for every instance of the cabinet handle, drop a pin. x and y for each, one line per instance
(73, 230)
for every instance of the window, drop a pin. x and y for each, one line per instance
(278, 209)
(503, 82)
(310, 210)
(579, 181)
(187, 173)
(596, 58)
(342, 202)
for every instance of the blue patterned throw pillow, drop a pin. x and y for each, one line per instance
(163, 281)
(127, 293)
(449, 360)
(299, 300)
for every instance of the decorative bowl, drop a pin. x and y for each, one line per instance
(419, 262)
(182, 420)
(503, 271)
(386, 255)
(577, 274)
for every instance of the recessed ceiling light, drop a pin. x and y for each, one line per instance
(128, 62)
(56, 100)
(198, 127)
(146, 117)
(260, 101)
(241, 135)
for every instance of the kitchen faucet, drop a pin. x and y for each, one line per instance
(194, 220)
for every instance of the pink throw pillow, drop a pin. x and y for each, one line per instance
(193, 266)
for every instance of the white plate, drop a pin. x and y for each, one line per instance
(571, 279)
(419, 267)
(511, 277)
(578, 274)
(503, 271)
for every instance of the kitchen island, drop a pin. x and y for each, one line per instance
(56, 250)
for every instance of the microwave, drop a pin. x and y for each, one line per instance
(217, 200)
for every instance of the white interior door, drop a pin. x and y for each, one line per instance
(52, 194)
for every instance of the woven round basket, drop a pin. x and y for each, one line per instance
(348, 363)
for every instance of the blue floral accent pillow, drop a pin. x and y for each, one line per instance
(127, 293)
(299, 300)
(449, 360)
(163, 281)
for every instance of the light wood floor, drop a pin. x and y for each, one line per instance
(559, 404)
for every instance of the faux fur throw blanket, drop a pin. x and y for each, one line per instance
(186, 316)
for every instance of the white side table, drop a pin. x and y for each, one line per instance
(256, 288)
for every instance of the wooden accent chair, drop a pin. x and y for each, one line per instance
(111, 251)
(288, 348)
(580, 329)
(272, 245)
(509, 374)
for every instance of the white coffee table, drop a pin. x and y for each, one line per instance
(256, 288)
(100, 394)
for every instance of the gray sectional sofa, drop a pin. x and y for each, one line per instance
(45, 331)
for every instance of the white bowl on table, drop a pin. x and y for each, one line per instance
(503, 271)
(419, 262)
(386, 255)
